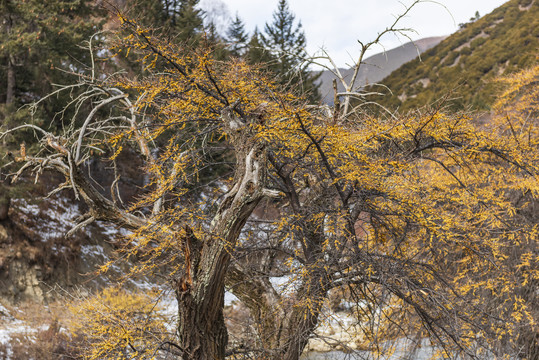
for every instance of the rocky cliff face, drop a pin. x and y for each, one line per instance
(35, 255)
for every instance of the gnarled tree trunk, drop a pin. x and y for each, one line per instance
(200, 291)
(303, 320)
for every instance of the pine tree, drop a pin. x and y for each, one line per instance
(178, 20)
(35, 37)
(188, 21)
(284, 38)
(150, 13)
(256, 52)
(287, 42)
(237, 37)
(214, 40)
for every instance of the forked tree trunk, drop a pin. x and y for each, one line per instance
(282, 333)
(265, 306)
(285, 334)
(200, 291)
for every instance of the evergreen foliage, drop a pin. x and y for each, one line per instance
(237, 37)
(286, 40)
(188, 20)
(256, 52)
(180, 20)
(35, 38)
(150, 13)
(39, 43)
(213, 39)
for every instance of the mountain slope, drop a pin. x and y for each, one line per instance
(464, 65)
(378, 66)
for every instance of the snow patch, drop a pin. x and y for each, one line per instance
(169, 309)
(394, 350)
(93, 250)
(52, 223)
(230, 298)
(112, 231)
(15, 327)
(285, 285)
(4, 312)
(65, 213)
(25, 207)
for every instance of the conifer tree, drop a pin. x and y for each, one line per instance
(287, 41)
(35, 37)
(214, 40)
(237, 37)
(150, 13)
(256, 52)
(285, 38)
(176, 19)
(188, 21)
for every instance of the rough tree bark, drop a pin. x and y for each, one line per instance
(302, 321)
(4, 206)
(10, 90)
(284, 333)
(200, 291)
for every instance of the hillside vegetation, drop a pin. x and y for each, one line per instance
(464, 65)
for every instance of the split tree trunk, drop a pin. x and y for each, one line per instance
(283, 334)
(200, 291)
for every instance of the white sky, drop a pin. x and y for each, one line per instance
(337, 24)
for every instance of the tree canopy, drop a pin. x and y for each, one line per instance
(424, 222)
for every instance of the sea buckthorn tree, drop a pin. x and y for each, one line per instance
(412, 218)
